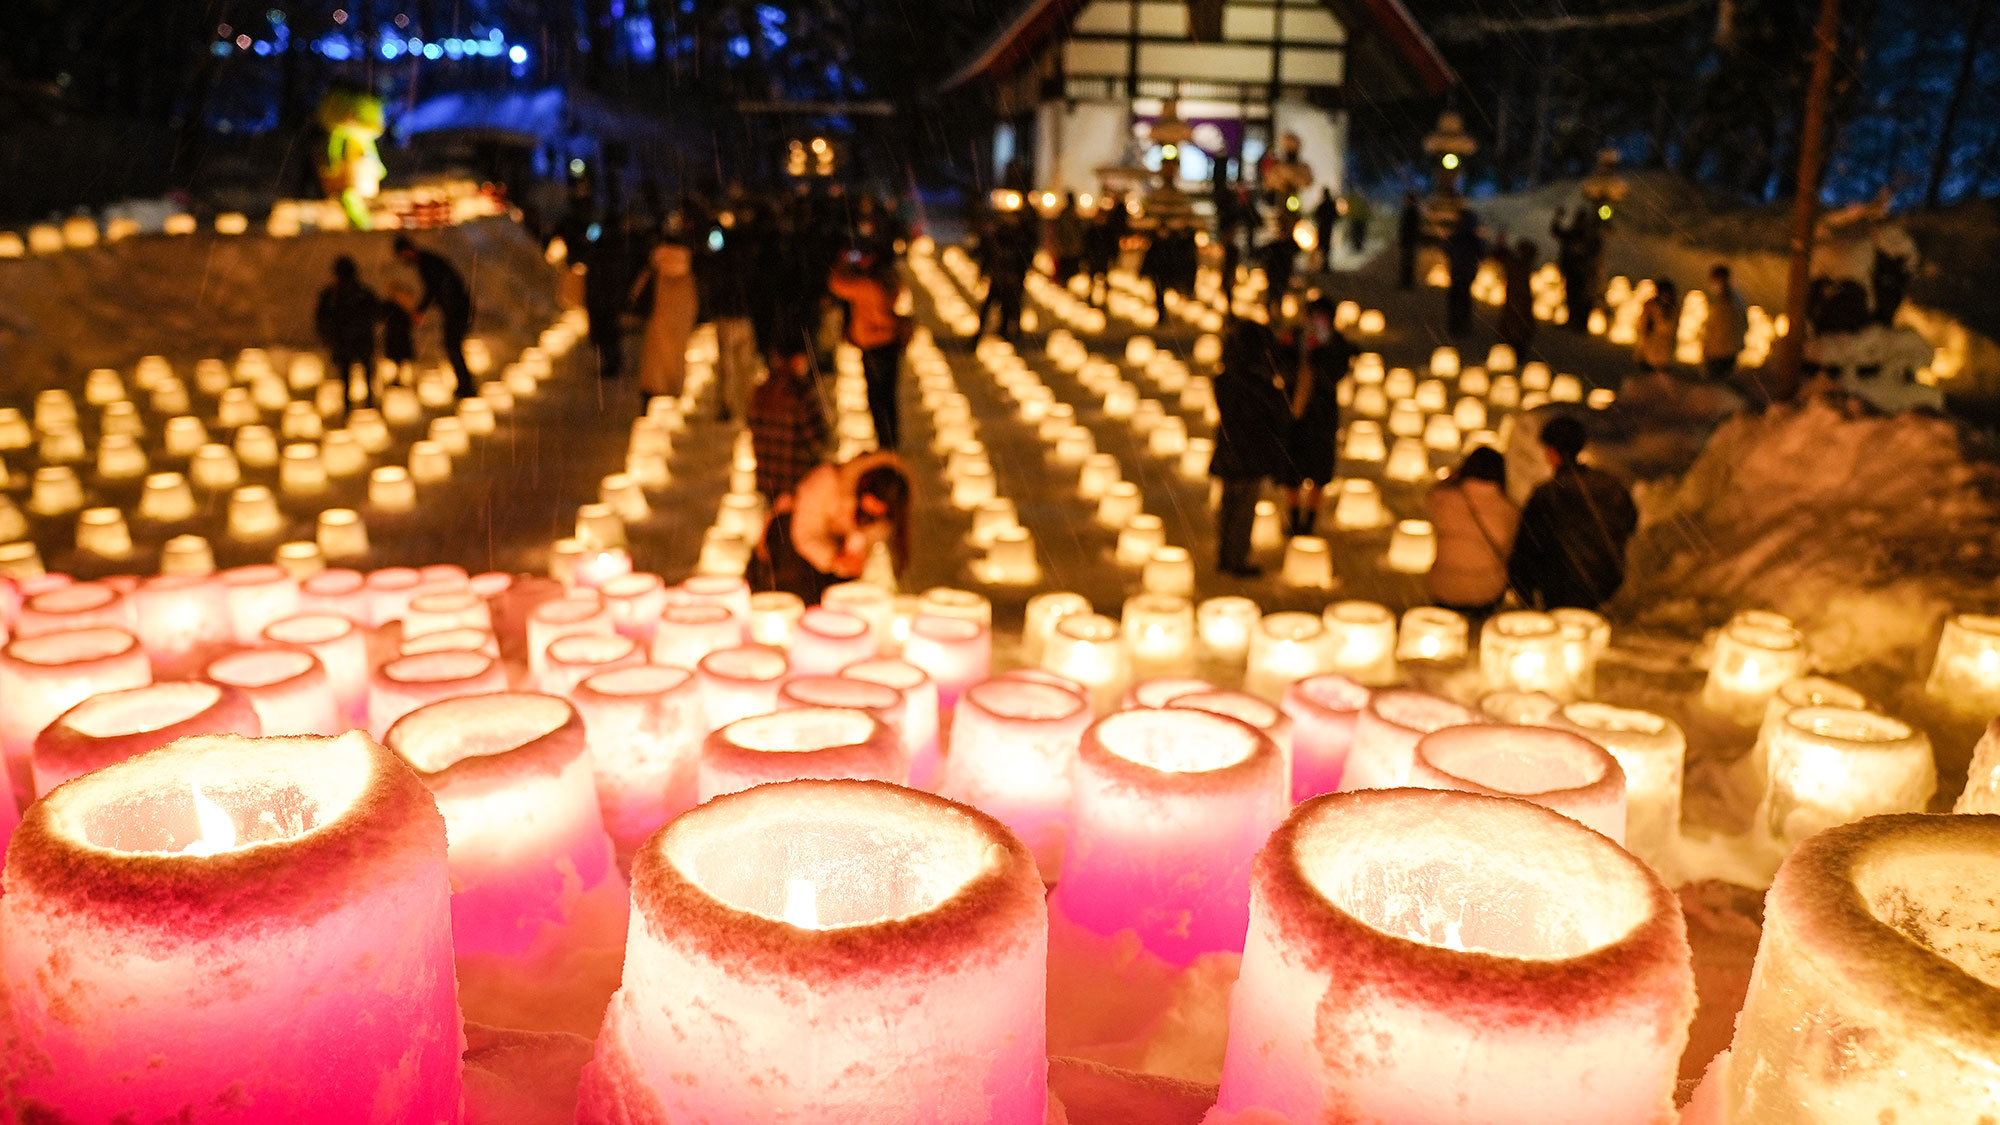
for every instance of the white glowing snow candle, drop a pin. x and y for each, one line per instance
(1416, 956)
(1285, 647)
(1555, 769)
(1831, 766)
(1965, 672)
(740, 682)
(408, 682)
(1089, 648)
(1386, 733)
(1013, 744)
(342, 650)
(1522, 650)
(954, 652)
(920, 713)
(804, 742)
(42, 677)
(574, 658)
(829, 951)
(287, 686)
(644, 724)
(1652, 751)
(1169, 808)
(829, 640)
(1751, 659)
(261, 923)
(1361, 637)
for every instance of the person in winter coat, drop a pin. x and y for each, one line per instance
(606, 252)
(825, 530)
(1475, 525)
(1728, 321)
(1009, 255)
(1409, 236)
(787, 423)
(1311, 364)
(345, 316)
(1570, 549)
(1103, 243)
(1253, 424)
(725, 282)
(446, 291)
(1067, 232)
(1172, 261)
(1580, 257)
(870, 289)
(1517, 309)
(1659, 318)
(663, 354)
(1463, 251)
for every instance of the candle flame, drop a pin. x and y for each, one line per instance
(1427, 647)
(802, 904)
(218, 832)
(1989, 663)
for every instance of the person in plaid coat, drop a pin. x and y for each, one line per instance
(788, 428)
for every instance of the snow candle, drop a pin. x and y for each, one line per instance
(1522, 650)
(1170, 807)
(1832, 765)
(287, 686)
(181, 619)
(1965, 673)
(342, 650)
(1089, 649)
(510, 774)
(1431, 633)
(578, 611)
(112, 726)
(1386, 733)
(1806, 691)
(829, 640)
(1555, 769)
(815, 742)
(1652, 751)
(41, 677)
(833, 952)
(645, 727)
(574, 658)
(739, 682)
(408, 682)
(1872, 997)
(954, 651)
(1413, 953)
(1323, 710)
(1013, 745)
(1751, 659)
(920, 715)
(258, 922)
(1362, 639)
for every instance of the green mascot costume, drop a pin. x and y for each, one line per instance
(351, 170)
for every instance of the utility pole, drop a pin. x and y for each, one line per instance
(1790, 350)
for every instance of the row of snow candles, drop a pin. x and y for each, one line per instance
(1010, 550)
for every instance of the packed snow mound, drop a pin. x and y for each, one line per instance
(1864, 530)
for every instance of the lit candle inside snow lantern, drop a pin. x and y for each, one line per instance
(452, 640)
(1652, 751)
(1832, 766)
(408, 682)
(1556, 769)
(42, 677)
(739, 682)
(1521, 708)
(1042, 614)
(885, 703)
(1362, 638)
(181, 620)
(1431, 633)
(574, 658)
(1284, 647)
(1872, 997)
(261, 923)
(1159, 631)
(722, 589)
(1013, 746)
(510, 773)
(636, 601)
(1490, 953)
(1323, 710)
(1161, 691)
(828, 640)
(684, 634)
(829, 951)
(1225, 624)
(644, 725)
(920, 714)
(1386, 733)
(1522, 650)
(437, 611)
(1965, 672)
(287, 686)
(774, 617)
(1806, 691)
(1089, 649)
(804, 742)
(577, 612)
(342, 650)
(946, 601)
(258, 595)
(1751, 659)
(1170, 807)
(112, 726)
(78, 605)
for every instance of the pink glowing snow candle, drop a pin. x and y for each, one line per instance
(635, 602)
(336, 590)
(408, 682)
(181, 620)
(1161, 691)
(580, 611)
(1431, 956)
(920, 716)
(829, 640)
(451, 640)
(573, 659)
(817, 742)
(342, 650)
(389, 592)
(1170, 807)
(1386, 734)
(1552, 768)
(80, 605)
(596, 568)
(41, 677)
(954, 651)
(287, 686)
(261, 926)
(645, 727)
(717, 589)
(112, 726)
(510, 773)
(258, 595)
(880, 700)
(1323, 710)
(434, 611)
(739, 682)
(1013, 745)
(838, 952)
(1873, 995)
(683, 634)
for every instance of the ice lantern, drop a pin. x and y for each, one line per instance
(739, 682)
(1873, 997)
(1413, 953)
(262, 927)
(1555, 769)
(1652, 751)
(828, 952)
(1170, 806)
(1323, 710)
(1752, 658)
(288, 687)
(510, 774)
(1965, 674)
(820, 742)
(1522, 650)
(1013, 745)
(1832, 765)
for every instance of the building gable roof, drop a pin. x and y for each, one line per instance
(1400, 61)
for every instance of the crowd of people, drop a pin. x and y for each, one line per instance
(357, 325)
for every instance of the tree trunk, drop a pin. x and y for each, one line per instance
(1545, 77)
(1975, 30)
(1790, 351)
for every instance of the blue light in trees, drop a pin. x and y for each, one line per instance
(433, 51)
(517, 54)
(740, 47)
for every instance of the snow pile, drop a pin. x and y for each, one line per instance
(1865, 531)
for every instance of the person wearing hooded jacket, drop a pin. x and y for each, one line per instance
(1255, 422)
(1570, 549)
(1475, 524)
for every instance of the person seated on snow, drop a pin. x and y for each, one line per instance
(1476, 525)
(1570, 547)
(825, 530)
